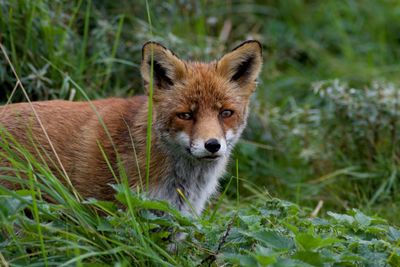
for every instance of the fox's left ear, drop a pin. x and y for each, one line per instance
(242, 64)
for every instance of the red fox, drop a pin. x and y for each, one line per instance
(199, 112)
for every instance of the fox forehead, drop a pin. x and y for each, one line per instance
(203, 88)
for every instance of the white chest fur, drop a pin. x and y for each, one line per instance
(196, 180)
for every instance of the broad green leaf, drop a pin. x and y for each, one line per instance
(394, 258)
(272, 239)
(291, 263)
(362, 219)
(313, 258)
(242, 260)
(341, 218)
(311, 242)
(9, 206)
(394, 234)
(265, 256)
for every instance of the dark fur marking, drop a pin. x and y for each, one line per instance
(243, 69)
(160, 74)
(248, 42)
(158, 44)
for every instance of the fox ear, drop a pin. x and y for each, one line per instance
(167, 68)
(242, 64)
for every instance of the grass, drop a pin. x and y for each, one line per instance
(266, 232)
(323, 126)
(150, 106)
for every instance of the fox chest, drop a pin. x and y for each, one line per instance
(187, 186)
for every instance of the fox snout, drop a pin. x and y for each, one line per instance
(209, 148)
(208, 138)
(200, 148)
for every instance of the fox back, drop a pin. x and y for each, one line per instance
(199, 111)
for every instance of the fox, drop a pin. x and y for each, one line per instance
(199, 111)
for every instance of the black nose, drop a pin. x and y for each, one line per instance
(212, 145)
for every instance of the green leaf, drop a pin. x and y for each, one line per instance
(265, 256)
(250, 220)
(310, 242)
(140, 202)
(341, 218)
(394, 234)
(265, 260)
(272, 239)
(291, 227)
(362, 219)
(104, 226)
(313, 258)
(375, 230)
(242, 260)
(9, 206)
(291, 263)
(394, 259)
(350, 258)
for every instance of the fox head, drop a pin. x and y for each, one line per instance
(200, 109)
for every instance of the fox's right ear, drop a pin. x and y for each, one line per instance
(243, 64)
(167, 68)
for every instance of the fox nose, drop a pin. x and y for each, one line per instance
(212, 145)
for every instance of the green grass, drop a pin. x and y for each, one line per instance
(302, 146)
(98, 233)
(261, 231)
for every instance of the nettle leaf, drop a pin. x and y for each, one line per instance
(273, 240)
(242, 260)
(10, 206)
(265, 256)
(138, 201)
(236, 237)
(291, 263)
(320, 222)
(350, 258)
(310, 242)
(270, 212)
(105, 226)
(291, 227)
(394, 259)
(162, 220)
(264, 251)
(313, 258)
(376, 230)
(341, 218)
(362, 219)
(251, 221)
(394, 234)
(265, 260)
(374, 258)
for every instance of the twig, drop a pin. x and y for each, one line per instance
(211, 258)
(317, 209)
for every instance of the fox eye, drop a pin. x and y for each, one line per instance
(226, 113)
(185, 116)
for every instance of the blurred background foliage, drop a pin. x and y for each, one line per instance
(324, 121)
